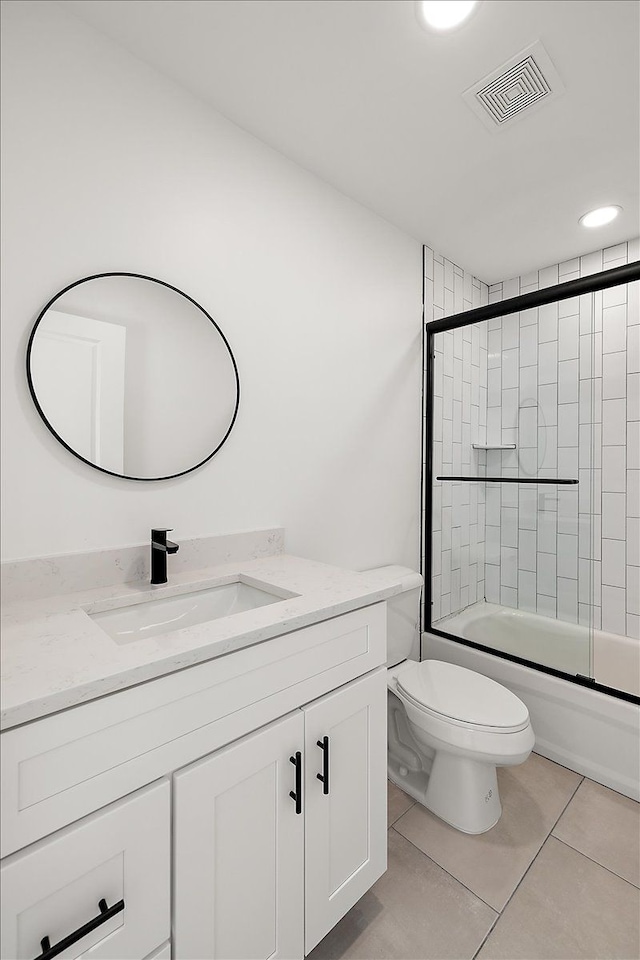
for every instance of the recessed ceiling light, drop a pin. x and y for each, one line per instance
(598, 218)
(444, 14)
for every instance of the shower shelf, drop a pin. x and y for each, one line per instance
(505, 480)
(493, 446)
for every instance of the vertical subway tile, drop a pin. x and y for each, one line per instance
(614, 328)
(568, 338)
(613, 516)
(528, 346)
(568, 381)
(570, 269)
(548, 276)
(547, 322)
(568, 425)
(614, 423)
(614, 296)
(509, 567)
(509, 368)
(548, 362)
(527, 591)
(633, 445)
(614, 470)
(527, 550)
(509, 597)
(546, 606)
(547, 532)
(438, 284)
(586, 314)
(448, 275)
(546, 573)
(428, 263)
(633, 349)
(548, 404)
(591, 263)
(633, 542)
(567, 600)
(633, 396)
(529, 383)
(613, 609)
(568, 308)
(567, 563)
(492, 583)
(509, 527)
(613, 563)
(614, 370)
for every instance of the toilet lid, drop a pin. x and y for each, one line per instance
(462, 696)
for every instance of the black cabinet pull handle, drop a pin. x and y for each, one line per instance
(105, 914)
(297, 796)
(324, 776)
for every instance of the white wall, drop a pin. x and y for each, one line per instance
(108, 165)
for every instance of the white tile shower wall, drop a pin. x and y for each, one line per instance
(563, 383)
(459, 420)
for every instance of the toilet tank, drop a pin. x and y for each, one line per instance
(403, 612)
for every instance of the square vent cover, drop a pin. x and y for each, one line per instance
(526, 82)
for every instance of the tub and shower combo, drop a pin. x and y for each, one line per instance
(531, 547)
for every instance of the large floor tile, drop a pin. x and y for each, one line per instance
(492, 864)
(415, 910)
(397, 802)
(567, 907)
(605, 826)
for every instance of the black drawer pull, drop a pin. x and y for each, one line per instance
(105, 914)
(324, 776)
(297, 796)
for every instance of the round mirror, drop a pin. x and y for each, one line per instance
(132, 376)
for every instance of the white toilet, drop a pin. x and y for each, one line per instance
(448, 727)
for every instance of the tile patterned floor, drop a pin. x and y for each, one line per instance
(557, 877)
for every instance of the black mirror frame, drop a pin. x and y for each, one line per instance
(112, 473)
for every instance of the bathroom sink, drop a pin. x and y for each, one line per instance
(148, 618)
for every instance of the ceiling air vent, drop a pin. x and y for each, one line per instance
(526, 82)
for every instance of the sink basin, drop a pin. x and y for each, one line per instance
(149, 618)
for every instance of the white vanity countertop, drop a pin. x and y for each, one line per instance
(55, 656)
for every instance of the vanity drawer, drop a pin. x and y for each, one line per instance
(59, 769)
(120, 854)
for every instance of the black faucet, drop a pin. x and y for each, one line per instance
(160, 547)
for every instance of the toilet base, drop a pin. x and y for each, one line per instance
(460, 791)
(464, 793)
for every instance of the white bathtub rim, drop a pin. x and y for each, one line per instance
(616, 658)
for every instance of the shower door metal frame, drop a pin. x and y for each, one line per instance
(562, 291)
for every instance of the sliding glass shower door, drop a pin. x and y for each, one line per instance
(534, 482)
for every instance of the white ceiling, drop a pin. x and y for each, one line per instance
(357, 92)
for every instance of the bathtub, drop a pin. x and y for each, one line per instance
(586, 730)
(554, 643)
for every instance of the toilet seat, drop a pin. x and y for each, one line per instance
(461, 697)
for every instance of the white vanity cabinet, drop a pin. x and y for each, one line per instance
(89, 795)
(261, 873)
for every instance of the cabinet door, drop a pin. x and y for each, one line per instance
(238, 850)
(346, 827)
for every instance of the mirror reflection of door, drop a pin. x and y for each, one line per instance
(79, 366)
(161, 411)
